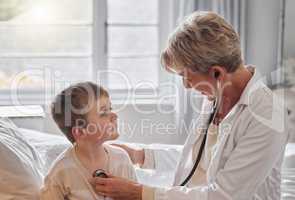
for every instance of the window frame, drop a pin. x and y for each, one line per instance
(98, 57)
(166, 25)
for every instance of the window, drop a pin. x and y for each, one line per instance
(50, 44)
(133, 45)
(44, 36)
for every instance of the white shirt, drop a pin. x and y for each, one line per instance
(246, 160)
(200, 175)
(68, 178)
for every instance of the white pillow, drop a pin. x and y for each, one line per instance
(49, 146)
(20, 165)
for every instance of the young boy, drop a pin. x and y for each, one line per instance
(83, 113)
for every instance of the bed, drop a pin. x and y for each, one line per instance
(288, 173)
(49, 146)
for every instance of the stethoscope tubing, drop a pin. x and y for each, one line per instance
(202, 147)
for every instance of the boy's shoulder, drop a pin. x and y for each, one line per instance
(62, 163)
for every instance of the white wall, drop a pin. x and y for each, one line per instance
(262, 34)
(289, 29)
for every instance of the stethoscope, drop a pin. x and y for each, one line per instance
(216, 106)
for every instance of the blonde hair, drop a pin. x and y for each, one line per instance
(202, 40)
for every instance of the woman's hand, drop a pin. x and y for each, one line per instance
(136, 155)
(117, 188)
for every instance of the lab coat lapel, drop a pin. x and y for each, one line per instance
(193, 139)
(224, 131)
(186, 153)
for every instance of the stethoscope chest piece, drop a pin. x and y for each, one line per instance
(100, 173)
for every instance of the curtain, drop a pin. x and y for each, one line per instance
(234, 11)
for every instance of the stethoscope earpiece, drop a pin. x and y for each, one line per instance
(216, 74)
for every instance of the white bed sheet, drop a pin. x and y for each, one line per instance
(50, 146)
(20, 165)
(288, 173)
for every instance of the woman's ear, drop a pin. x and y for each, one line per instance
(217, 72)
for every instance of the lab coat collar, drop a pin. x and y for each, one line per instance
(226, 124)
(254, 83)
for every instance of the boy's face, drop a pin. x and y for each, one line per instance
(102, 122)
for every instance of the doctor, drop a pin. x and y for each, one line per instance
(237, 149)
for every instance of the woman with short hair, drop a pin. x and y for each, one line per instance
(238, 155)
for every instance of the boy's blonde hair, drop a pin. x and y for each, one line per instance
(202, 40)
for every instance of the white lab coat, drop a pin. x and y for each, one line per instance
(247, 157)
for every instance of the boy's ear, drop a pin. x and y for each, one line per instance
(78, 133)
